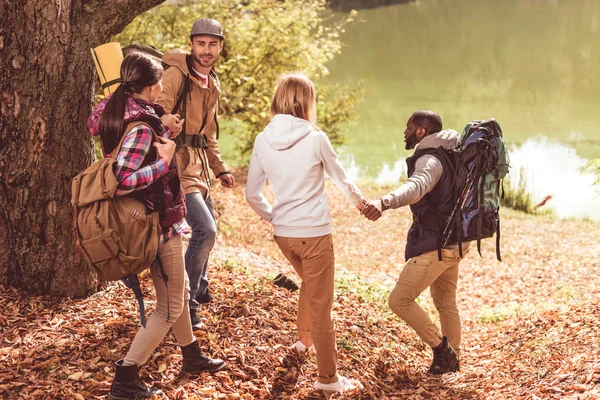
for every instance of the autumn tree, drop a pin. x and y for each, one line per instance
(46, 88)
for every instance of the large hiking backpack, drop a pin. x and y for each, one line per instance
(481, 162)
(113, 234)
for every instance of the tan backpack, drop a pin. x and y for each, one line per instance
(113, 234)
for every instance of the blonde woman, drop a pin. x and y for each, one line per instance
(294, 155)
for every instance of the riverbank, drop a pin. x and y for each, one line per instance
(530, 324)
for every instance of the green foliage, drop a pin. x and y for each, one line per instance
(517, 196)
(98, 148)
(345, 344)
(263, 39)
(594, 167)
(234, 265)
(502, 312)
(348, 282)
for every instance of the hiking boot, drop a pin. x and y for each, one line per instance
(204, 297)
(127, 384)
(444, 359)
(194, 361)
(197, 323)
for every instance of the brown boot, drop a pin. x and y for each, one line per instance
(444, 359)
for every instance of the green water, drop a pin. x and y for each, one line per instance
(534, 65)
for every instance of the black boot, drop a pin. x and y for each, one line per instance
(194, 361)
(127, 384)
(444, 359)
(197, 323)
(204, 297)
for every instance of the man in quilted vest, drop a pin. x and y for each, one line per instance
(197, 148)
(429, 193)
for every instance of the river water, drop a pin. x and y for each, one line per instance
(534, 65)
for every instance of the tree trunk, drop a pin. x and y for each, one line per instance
(46, 87)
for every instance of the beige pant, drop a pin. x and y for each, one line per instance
(314, 261)
(441, 277)
(172, 299)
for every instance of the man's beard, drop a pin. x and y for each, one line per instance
(411, 141)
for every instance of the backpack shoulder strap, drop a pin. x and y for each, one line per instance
(182, 95)
(183, 91)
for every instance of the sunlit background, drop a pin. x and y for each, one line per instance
(534, 65)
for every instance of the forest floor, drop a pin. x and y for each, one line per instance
(531, 324)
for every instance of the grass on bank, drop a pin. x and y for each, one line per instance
(516, 195)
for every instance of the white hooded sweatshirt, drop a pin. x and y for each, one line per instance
(294, 156)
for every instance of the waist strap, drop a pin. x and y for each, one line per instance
(196, 141)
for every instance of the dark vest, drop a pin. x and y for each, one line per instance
(165, 195)
(431, 213)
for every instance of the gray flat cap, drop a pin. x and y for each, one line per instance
(206, 26)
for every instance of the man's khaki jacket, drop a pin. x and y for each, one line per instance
(202, 108)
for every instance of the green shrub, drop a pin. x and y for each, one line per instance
(594, 167)
(517, 196)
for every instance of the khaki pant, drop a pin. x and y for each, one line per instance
(171, 299)
(441, 277)
(314, 261)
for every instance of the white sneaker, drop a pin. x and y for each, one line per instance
(301, 348)
(341, 385)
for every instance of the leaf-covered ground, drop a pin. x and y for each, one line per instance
(531, 324)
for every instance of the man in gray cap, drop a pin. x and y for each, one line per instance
(191, 89)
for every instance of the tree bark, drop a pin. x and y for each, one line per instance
(46, 87)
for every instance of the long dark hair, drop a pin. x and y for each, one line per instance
(138, 71)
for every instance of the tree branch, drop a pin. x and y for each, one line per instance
(109, 17)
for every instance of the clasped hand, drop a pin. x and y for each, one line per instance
(372, 210)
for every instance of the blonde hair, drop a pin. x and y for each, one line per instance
(295, 95)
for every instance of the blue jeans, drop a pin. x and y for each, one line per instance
(200, 216)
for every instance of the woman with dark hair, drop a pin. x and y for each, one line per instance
(146, 170)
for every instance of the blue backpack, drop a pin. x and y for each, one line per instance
(481, 162)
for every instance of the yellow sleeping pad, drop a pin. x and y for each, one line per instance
(108, 58)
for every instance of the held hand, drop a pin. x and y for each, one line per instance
(174, 123)
(361, 207)
(227, 180)
(165, 149)
(373, 210)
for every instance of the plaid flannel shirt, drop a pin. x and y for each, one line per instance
(131, 177)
